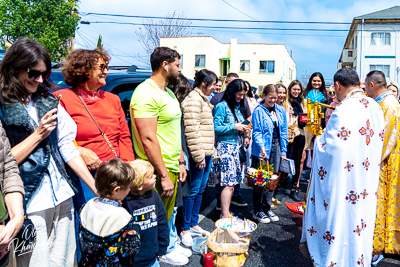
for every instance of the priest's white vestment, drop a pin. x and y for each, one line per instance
(341, 202)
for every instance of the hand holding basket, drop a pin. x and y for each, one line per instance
(264, 177)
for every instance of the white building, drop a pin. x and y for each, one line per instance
(260, 64)
(373, 43)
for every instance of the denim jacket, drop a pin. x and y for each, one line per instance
(263, 128)
(225, 123)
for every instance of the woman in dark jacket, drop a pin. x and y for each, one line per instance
(41, 135)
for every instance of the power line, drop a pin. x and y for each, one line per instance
(219, 27)
(110, 46)
(217, 20)
(87, 45)
(238, 10)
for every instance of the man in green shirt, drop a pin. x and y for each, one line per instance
(156, 126)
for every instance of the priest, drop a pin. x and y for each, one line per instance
(387, 235)
(340, 214)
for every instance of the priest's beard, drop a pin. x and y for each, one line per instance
(173, 80)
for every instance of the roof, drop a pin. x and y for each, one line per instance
(196, 36)
(208, 36)
(390, 13)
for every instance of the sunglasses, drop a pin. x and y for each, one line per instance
(332, 93)
(103, 67)
(34, 74)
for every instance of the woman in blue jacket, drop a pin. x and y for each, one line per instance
(270, 139)
(227, 126)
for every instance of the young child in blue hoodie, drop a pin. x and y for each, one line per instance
(148, 211)
(108, 235)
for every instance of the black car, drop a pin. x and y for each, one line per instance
(121, 81)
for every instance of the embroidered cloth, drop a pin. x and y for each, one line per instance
(387, 225)
(340, 214)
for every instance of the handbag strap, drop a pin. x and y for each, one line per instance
(98, 126)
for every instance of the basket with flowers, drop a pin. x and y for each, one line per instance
(264, 177)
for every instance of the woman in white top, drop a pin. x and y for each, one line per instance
(42, 137)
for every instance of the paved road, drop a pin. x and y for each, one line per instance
(273, 244)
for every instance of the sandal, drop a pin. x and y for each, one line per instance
(277, 202)
(273, 207)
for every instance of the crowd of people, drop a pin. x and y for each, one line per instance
(73, 193)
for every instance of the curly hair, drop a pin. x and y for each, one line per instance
(24, 53)
(80, 63)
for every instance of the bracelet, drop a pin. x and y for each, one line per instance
(182, 162)
(249, 137)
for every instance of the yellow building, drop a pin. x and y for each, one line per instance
(260, 64)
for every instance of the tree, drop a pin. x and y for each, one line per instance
(172, 26)
(50, 22)
(100, 41)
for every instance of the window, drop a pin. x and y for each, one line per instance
(200, 61)
(181, 62)
(349, 53)
(380, 38)
(245, 65)
(384, 68)
(267, 66)
(355, 42)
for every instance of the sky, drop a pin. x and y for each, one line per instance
(311, 50)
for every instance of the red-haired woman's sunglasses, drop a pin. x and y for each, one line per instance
(34, 74)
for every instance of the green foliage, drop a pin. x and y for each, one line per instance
(50, 22)
(100, 41)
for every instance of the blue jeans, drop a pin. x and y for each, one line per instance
(173, 234)
(83, 196)
(155, 264)
(248, 156)
(198, 183)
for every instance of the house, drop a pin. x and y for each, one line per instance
(373, 44)
(260, 64)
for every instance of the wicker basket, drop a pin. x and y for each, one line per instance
(243, 233)
(272, 184)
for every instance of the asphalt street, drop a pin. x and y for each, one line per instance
(273, 244)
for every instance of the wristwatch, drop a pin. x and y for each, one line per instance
(249, 137)
(182, 162)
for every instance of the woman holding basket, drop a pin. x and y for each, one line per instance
(270, 139)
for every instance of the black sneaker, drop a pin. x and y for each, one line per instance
(238, 201)
(295, 196)
(261, 217)
(218, 207)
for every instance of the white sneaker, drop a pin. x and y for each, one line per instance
(187, 239)
(261, 217)
(183, 251)
(174, 258)
(272, 216)
(198, 232)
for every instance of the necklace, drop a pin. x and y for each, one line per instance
(158, 84)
